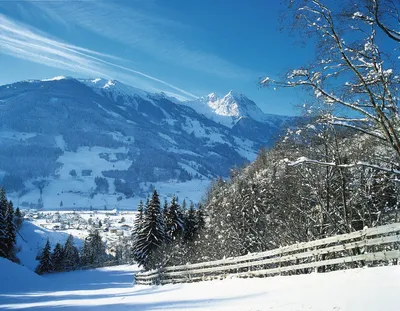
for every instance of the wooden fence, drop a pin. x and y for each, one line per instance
(373, 246)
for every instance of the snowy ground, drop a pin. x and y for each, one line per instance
(111, 289)
(32, 238)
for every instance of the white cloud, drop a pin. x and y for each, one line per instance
(19, 40)
(144, 29)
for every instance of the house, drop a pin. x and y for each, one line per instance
(113, 230)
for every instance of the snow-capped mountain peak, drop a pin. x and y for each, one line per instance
(228, 110)
(113, 86)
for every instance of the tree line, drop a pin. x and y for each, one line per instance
(10, 222)
(67, 257)
(165, 235)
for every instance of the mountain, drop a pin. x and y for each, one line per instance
(73, 143)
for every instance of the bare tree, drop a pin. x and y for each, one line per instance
(354, 72)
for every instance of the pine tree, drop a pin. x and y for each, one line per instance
(71, 254)
(57, 258)
(137, 225)
(200, 215)
(7, 227)
(11, 231)
(151, 236)
(98, 248)
(45, 264)
(183, 207)
(86, 254)
(190, 223)
(93, 251)
(173, 219)
(119, 254)
(3, 236)
(18, 218)
(3, 202)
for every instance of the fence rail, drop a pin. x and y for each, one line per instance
(375, 246)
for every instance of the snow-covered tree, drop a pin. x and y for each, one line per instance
(57, 258)
(356, 71)
(8, 230)
(151, 236)
(94, 250)
(45, 264)
(3, 236)
(11, 233)
(173, 220)
(191, 224)
(71, 255)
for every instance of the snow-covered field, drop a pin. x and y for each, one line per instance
(370, 289)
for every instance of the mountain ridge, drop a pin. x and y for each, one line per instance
(92, 142)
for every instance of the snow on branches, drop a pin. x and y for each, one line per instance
(355, 73)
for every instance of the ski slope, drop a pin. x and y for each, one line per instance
(370, 289)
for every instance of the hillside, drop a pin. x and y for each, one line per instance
(32, 238)
(70, 143)
(112, 289)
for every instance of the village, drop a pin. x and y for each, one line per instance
(114, 226)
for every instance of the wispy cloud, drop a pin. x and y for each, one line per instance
(143, 28)
(19, 40)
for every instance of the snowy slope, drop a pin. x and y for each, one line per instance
(14, 278)
(373, 289)
(32, 238)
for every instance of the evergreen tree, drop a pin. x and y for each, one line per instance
(18, 218)
(7, 227)
(86, 254)
(183, 207)
(3, 202)
(93, 251)
(98, 248)
(71, 254)
(11, 232)
(151, 236)
(119, 254)
(45, 264)
(190, 223)
(200, 217)
(137, 227)
(3, 236)
(57, 258)
(173, 219)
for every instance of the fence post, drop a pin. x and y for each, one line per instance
(315, 259)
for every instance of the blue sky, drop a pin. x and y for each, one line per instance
(185, 48)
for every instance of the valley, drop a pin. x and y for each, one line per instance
(71, 143)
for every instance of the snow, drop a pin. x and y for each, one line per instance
(21, 136)
(115, 86)
(245, 148)
(167, 138)
(58, 78)
(194, 127)
(75, 191)
(229, 109)
(111, 289)
(60, 142)
(265, 80)
(32, 238)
